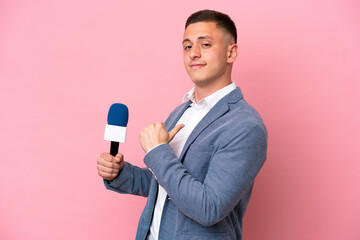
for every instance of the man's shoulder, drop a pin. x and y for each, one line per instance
(242, 118)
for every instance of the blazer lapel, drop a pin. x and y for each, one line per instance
(172, 122)
(216, 112)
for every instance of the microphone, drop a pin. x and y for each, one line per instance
(115, 130)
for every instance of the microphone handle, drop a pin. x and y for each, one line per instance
(114, 148)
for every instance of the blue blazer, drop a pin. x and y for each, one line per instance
(209, 186)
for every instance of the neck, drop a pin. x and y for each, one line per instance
(202, 92)
(208, 88)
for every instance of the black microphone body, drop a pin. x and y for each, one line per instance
(114, 148)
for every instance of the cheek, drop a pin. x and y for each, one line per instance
(215, 63)
(215, 56)
(222, 56)
(186, 58)
(220, 59)
(186, 62)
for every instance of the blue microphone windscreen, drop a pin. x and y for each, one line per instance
(118, 115)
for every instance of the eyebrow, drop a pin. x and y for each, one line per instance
(199, 38)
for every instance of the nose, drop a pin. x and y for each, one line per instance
(195, 52)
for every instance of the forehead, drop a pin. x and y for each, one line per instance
(201, 29)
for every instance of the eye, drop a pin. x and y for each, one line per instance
(187, 47)
(206, 45)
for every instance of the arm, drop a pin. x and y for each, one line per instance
(132, 180)
(122, 177)
(230, 174)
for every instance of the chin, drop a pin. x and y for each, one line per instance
(200, 82)
(195, 78)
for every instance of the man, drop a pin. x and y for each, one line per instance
(202, 162)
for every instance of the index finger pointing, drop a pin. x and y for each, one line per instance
(175, 130)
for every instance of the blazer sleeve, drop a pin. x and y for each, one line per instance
(231, 173)
(132, 180)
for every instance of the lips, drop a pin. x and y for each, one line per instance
(195, 66)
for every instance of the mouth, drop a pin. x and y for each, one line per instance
(196, 66)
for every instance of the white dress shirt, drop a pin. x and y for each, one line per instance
(190, 119)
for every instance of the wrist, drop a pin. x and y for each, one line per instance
(154, 147)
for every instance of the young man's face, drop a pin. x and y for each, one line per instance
(205, 52)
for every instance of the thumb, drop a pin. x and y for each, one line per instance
(118, 157)
(174, 131)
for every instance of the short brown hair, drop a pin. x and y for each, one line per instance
(222, 20)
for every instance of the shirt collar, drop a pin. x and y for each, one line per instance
(212, 99)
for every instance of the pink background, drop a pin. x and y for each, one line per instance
(63, 63)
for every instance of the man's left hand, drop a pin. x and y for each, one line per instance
(156, 134)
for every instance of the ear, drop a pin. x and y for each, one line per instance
(232, 53)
